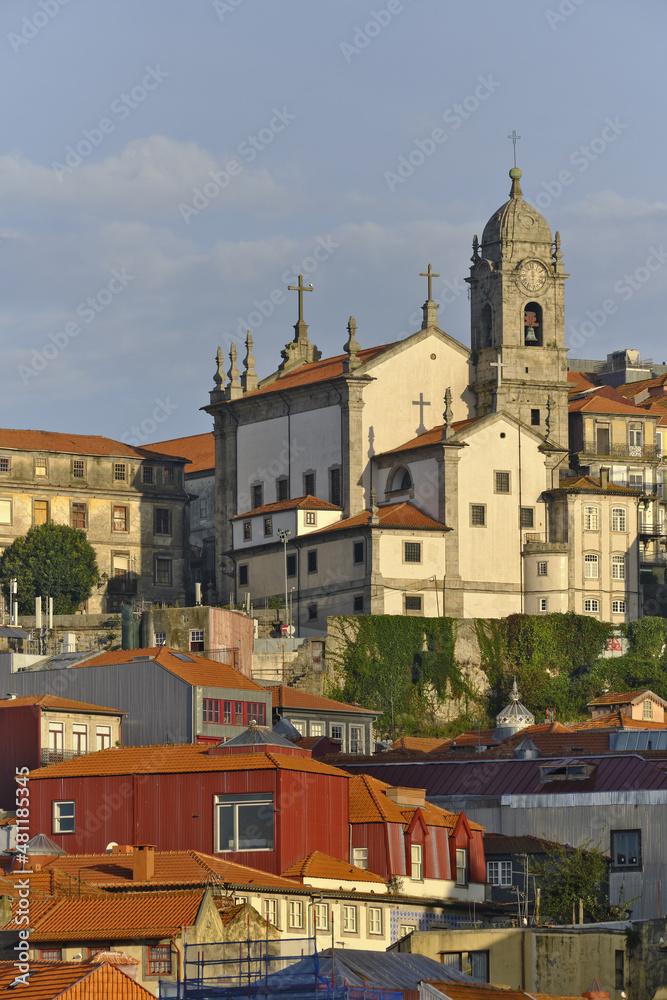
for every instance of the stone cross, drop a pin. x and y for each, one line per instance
(429, 274)
(498, 365)
(514, 138)
(421, 403)
(300, 288)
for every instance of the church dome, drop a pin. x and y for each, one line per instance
(513, 718)
(516, 221)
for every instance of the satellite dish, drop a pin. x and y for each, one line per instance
(111, 846)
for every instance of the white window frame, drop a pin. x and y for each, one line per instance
(591, 518)
(618, 567)
(349, 918)
(618, 607)
(321, 916)
(317, 728)
(542, 568)
(270, 907)
(619, 519)
(461, 866)
(591, 605)
(295, 911)
(416, 863)
(56, 736)
(232, 801)
(103, 737)
(360, 857)
(499, 873)
(375, 920)
(543, 604)
(591, 566)
(64, 820)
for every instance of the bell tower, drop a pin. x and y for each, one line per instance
(517, 322)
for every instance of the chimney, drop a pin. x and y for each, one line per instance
(143, 862)
(596, 992)
(604, 478)
(121, 848)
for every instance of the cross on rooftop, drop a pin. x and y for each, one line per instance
(498, 365)
(514, 138)
(429, 274)
(300, 288)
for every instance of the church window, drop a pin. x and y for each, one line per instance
(334, 486)
(400, 480)
(478, 515)
(412, 552)
(257, 493)
(413, 602)
(309, 484)
(358, 552)
(247, 531)
(487, 326)
(602, 439)
(120, 472)
(541, 569)
(79, 516)
(312, 560)
(532, 325)
(618, 519)
(618, 607)
(243, 575)
(591, 605)
(591, 566)
(268, 527)
(535, 418)
(502, 480)
(40, 512)
(4, 465)
(147, 474)
(618, 567)
(358, 602)
(41, 467)
(291, 565)
(282, 489)
(590, 519)
(527, 515)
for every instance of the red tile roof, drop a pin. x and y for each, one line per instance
(180, 758)
(393, 515)
(432, 436)
(172, 869)
(591, 484)
(317, 371)
(618, 720)
(319, 865)
(289, 697)
(298, 503)
(422, 743)
(47, 882)
(117, 916)
(604, 400)
(72, 981)
(633, 389)
(195, 670)
(62, 704)
(370, 804)
(199, 449)
(466, 991)
(70, 444)
(624, 698)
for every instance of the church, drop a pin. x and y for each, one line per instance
(425, 477)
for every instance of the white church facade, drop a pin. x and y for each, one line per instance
(425, 477)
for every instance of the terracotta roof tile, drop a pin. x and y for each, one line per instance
(317, 371)
(118, 916)
(72, 981)
(604, 400)
(624, 698)
(319, 865)
(64, 704)
(70, 444)
(298, 503)
(393, 515)
(431, 437)
(466, 991)
(198, 448)
(592, 484)
(172, 869)
(289, 697)
(423, 743)
(633, 389)
(196, 670)
(618, 720)
(180, 758)
(47, 882)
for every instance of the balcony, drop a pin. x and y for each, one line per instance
(49, 756)
(627, 451)
(123, 583)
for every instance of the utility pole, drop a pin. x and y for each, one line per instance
(284, 534)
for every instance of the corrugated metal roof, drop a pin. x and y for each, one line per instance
(259, 736)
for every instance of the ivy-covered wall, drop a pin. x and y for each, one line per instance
(414, 672)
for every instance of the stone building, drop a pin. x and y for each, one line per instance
(129, 501)
(339, 485)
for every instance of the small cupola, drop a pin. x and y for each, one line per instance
(513, 718)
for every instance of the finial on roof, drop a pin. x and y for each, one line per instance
(234, 389)
(515, 692)
(448, 414)
(351, 347)
(516, 191)
(218, 391)
(249, 379)
(475, 249)
(374, 507)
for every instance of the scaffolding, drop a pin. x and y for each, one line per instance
(262, 968)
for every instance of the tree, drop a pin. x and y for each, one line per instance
(52, 560)
(568, 875)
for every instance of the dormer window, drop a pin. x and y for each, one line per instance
(566, 772)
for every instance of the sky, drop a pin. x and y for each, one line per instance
(169, 167)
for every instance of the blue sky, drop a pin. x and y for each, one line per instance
(118, 280)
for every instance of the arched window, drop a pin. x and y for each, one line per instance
(487, 326)
(400, 480)
(590, 519)
(532, 324)
(618, 519)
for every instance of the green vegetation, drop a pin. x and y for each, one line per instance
(568, 875)
(52, 560)
(405, 666)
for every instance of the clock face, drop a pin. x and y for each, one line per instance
(532, 275)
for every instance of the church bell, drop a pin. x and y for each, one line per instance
(531, 337)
